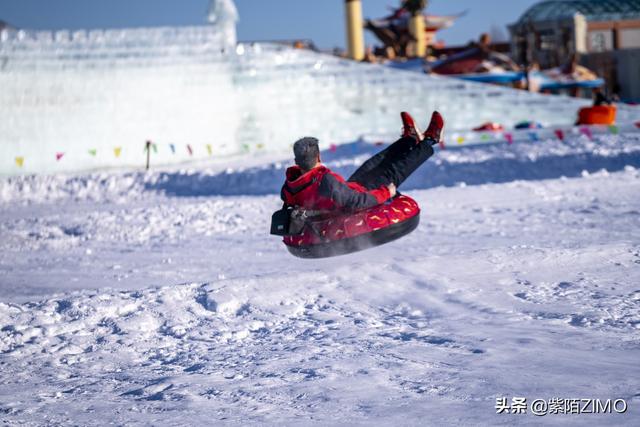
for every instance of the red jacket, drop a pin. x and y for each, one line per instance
(321, 189)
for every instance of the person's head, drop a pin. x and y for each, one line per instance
(485, 39)
(306, 153)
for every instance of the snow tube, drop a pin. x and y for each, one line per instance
(338, 234)
(489, 126)
(597, 115)
(528, 125)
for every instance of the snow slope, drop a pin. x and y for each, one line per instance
(147, 299)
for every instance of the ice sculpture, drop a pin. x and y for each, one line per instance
(224, 15)
(90, 99)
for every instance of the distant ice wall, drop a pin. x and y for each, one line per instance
(82, 100)
(95, 97)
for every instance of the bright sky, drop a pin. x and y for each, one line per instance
(320, 20)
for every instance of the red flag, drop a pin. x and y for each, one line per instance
(559, 134)
(509, 138)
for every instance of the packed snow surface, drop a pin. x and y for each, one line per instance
(160, 298)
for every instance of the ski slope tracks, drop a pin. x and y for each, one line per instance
(160, 299)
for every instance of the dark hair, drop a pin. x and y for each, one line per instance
(306, 152)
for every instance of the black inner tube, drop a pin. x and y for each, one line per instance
(357, 243)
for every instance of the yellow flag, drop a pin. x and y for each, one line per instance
(209, 149)
(260, 146)
(117, 151)
(20, 161)
(460, 140)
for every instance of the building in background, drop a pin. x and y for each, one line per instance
(604, 33)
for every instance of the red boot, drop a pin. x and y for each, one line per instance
(434, 132)
(409, 127)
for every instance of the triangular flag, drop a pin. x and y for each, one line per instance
(93, 152)
(117, 151)
(333, 148)
(509, 138)
(533, 136)
(173, 148)
(155, 147)
(245, 147)
(260, 146)
(190, 150)
(209, 149)
(613, 129)
(19, 161)
(587, 132)
(559, 134)
(441, 144)
(59, 156)
(484, 137)
(460, 140)
(637, 124)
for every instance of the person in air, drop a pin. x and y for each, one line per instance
(312, 186)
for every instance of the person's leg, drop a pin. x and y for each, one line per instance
(394, 164)
(371, 168)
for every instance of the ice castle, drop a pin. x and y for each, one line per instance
(91, 99)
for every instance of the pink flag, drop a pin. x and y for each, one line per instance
(333, 148)
(441, 144)
(587, 132)
(559, 134)
(509, 138)
(59, 156)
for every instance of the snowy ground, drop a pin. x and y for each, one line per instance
(161, 299)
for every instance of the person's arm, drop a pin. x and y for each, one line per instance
(347, 198)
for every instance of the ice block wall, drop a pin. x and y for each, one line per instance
(82, 100)
(90, 99)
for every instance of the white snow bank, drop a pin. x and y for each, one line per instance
(476, 164)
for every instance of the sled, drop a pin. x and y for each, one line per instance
(597, 115)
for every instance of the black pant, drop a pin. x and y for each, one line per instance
(394, 164)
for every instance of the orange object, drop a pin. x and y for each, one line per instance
(597, 115)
